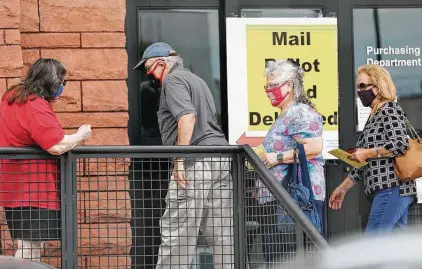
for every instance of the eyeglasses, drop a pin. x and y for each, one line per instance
(149, 67)
(273, 85)
(363, 86)
(64, 83)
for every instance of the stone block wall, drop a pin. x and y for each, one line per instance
(10, 50)
(88, 37)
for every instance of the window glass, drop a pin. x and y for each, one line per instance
(281, 13)
(194, 34)
(392, 38)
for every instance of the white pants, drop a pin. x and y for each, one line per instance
(30, 250)
(207, 205)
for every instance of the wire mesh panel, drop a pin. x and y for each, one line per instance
(116, 212)
(415, 215)
(30, 212)
(134, 213)
(104, 232)
(271, 242)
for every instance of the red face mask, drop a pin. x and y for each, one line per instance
(275, 94)
(159, 78)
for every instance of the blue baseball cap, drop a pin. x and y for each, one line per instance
(158, 49)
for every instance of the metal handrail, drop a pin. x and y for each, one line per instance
(265, 175)
(156, 149)
(21, 150)
(129, 149)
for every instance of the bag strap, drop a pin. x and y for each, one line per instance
(306, 179)
(411, 130)
(292, 171)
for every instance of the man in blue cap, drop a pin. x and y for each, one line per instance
(199, 196)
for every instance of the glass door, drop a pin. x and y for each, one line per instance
(194, 32)
(384, 33)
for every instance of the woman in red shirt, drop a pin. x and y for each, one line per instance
(30, 189)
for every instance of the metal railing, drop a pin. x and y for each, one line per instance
(113, 199)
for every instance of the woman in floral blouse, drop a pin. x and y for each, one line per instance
(298, 122)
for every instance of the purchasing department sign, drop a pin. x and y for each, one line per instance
(251, 42)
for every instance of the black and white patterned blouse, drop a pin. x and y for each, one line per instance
(386, 129)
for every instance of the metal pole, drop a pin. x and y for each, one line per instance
(236, 218)
(69, 211)
(377, 31)
(240, 186)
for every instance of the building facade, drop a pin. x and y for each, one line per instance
(100, 41)
(88, 37)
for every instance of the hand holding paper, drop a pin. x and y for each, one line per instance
(346, 157)
(261, 152)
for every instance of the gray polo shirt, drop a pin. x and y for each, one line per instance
(185, 93)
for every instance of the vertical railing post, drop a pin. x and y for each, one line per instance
(300, 242)
(69, 211)
(238, 212)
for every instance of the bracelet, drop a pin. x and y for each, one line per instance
(378, 153)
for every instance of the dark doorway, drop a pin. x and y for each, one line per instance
(194, 32)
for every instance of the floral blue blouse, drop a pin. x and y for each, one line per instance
(298, 122)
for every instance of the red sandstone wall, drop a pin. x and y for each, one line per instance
(88, 37)
(10, 50)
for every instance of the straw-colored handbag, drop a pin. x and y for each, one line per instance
(409, 166)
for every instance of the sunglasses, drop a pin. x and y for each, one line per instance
(363, 86)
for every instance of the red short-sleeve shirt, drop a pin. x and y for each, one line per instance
(29, 182)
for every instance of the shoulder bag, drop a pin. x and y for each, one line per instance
(300, 190)
(408, 167)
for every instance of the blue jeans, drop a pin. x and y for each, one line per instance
(389, 210)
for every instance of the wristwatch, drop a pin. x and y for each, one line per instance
(280, 157)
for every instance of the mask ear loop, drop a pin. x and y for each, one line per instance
(157, 63)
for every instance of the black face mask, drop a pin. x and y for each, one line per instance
(366, 97)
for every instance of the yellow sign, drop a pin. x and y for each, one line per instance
(314, 47)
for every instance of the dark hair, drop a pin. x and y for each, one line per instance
(43, 80)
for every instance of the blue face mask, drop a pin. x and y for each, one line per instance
(59, 91)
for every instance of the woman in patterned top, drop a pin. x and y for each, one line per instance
(298, 122)
(383, 138)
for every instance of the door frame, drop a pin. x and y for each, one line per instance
(140, 238)
(346, 52)
(349, 133)
(132, 37)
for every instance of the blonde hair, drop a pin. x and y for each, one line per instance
(381, 78)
